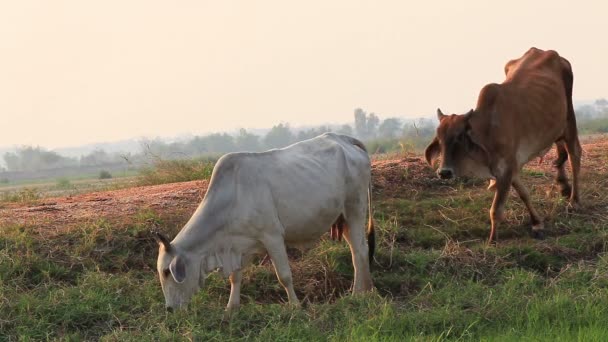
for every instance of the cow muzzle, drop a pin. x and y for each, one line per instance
(445, 173)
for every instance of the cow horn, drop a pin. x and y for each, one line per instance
(440, 114)
(161, 239)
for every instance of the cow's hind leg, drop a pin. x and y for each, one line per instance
(537, 221)
(277, 250)
(561, 177)
(354, 234)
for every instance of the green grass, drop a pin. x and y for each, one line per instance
(435, 278)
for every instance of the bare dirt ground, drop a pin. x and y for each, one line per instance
(396, 176)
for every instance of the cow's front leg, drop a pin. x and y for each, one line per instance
(502, 186)
(278, 253)
(235, 291)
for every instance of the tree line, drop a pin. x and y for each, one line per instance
(380, 135)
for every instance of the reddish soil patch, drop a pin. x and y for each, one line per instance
(112, 205)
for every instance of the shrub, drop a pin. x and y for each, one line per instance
(172, 171)
(105, 174)
(64, 183)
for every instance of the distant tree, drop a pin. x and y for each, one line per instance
(96, 157)
(305, 134)
(345, 129)
(220, 143)
(312, 132)
(389, 128)
(155, 147)
(360, 123)
(372, 125)
(246, 141)
(365, 125)
(420, 128)
(279, 136)
(28, 158)
(602, 106)
(197, 146)
(12, 161)
(586, 112)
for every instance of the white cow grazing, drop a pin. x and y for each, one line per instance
(265, 201)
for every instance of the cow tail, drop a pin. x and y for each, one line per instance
(571, 129)
(568, 79)
(371, 234)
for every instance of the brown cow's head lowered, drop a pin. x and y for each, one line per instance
(461, 151)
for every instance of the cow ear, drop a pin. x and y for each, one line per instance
(432, 151)
(178, 269)
(440, 114)
(162, 240)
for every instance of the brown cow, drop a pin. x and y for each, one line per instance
(513, 123)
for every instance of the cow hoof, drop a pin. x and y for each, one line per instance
(230, 312)
(566, 191)
(538, 231)
(294, 306)
(538, 234)
(572, 207)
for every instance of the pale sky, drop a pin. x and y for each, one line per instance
(75, 72)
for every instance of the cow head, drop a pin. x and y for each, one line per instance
(457, 144)
(180, 273)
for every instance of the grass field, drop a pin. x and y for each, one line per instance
(436, 280)
(29, 191)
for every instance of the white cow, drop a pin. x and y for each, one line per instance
(266, 201)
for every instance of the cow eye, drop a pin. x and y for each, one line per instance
(166, 272)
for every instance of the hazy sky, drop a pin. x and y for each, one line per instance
(74, 72)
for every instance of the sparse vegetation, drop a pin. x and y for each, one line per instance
(24, 195)
(435, 277)
(172, 171)
(597, 125)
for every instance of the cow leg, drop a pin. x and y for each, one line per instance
(574, 149)
(235, 290)
(354, 234)
(278, 253)
(537, 221)
(561, 178)
(503, 184)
